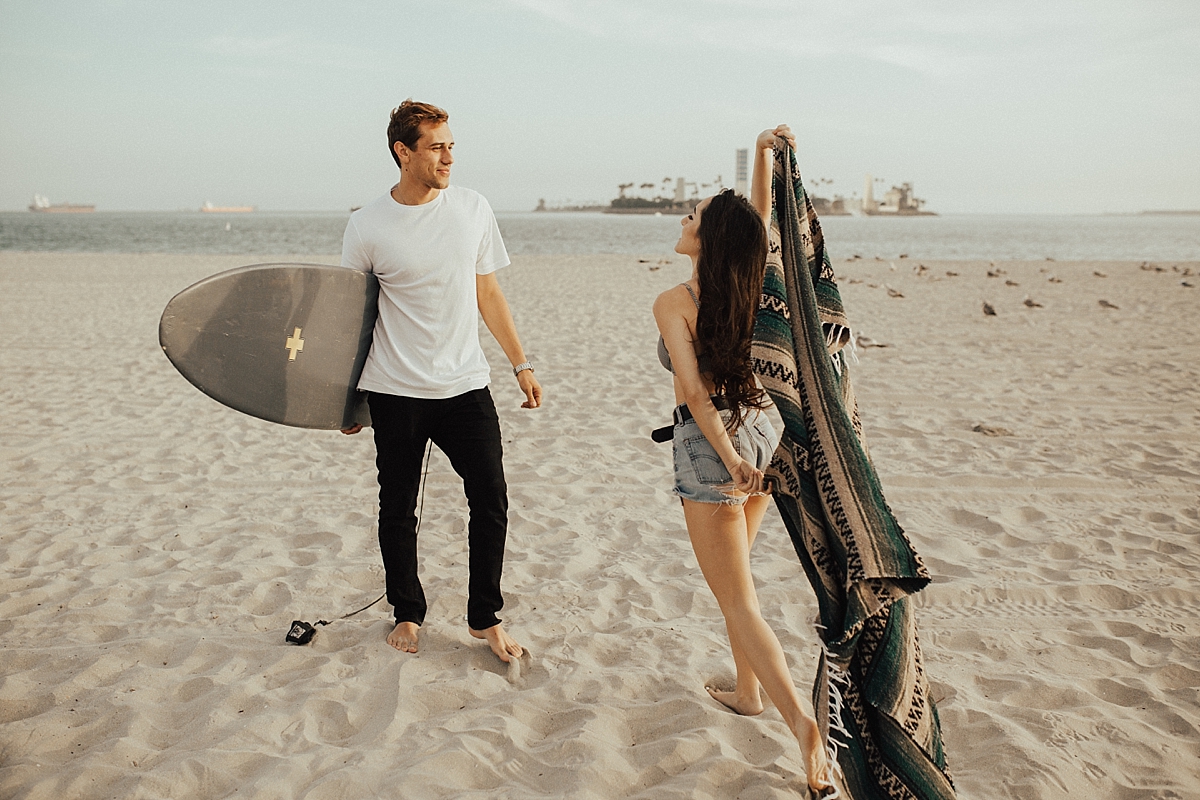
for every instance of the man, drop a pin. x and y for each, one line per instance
(435, 250)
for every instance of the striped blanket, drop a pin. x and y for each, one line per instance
(871, 695)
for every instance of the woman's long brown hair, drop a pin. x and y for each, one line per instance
(731, 266)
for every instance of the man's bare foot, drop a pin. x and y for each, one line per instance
(404, 637)
(747, 707)
(504, 646)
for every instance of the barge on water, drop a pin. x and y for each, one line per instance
(42, 205)
(209, 208)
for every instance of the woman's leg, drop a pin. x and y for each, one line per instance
(745, 699)
(754, 509)
(720, 537)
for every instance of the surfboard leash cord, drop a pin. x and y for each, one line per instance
(301, 632)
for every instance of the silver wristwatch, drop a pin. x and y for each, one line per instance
(524, 365)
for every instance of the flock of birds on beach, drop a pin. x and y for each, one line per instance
(998, 272)
(993, 272)
(990, 310)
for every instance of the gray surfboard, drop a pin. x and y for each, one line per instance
(281, 342)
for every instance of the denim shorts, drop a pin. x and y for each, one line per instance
(700, 475)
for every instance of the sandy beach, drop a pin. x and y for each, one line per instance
(155, 547)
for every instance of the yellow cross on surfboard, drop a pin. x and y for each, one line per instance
(293, 345)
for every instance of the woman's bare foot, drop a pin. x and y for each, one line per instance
(817, 768)
(504, 646)
(404, 637)
(746, 706)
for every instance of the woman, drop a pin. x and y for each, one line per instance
(722, 440)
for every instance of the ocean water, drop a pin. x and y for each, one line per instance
(957, 236)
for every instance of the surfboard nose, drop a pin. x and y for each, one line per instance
(281, 342)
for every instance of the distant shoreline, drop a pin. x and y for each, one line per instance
(259, 211)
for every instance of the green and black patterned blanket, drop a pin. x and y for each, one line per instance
(871, 695)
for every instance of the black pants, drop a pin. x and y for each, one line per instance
(467, 430)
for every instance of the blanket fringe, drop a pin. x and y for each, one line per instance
(833, 335)
(837, 678)
(853, 348)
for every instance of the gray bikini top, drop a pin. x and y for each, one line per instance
(664, 357)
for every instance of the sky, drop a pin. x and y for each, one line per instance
(1010, 106)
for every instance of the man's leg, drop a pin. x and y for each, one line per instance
(400, 442)
(468, 432)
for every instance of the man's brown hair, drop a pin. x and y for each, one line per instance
(405, 125)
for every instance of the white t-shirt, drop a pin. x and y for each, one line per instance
(426, 258)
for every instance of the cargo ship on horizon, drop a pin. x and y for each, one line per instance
(209, 208)
(43, 205)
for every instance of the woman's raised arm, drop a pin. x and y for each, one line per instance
(760, 186)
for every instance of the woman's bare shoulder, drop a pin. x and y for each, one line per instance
(675, 298)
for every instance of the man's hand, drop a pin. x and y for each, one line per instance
(531, 388)
(353, 429)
